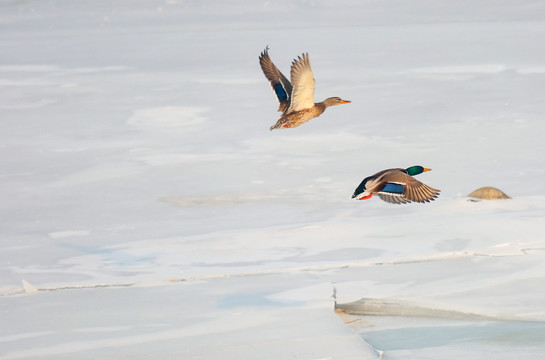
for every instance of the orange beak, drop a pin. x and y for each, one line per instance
(425, 169)
(346, 102)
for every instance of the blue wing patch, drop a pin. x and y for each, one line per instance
(393, 188)
(280, 92)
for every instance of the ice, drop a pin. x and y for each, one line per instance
(149, 213)
(68, 233)
(167, 117)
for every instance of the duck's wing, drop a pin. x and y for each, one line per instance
(279, 83)
(393, 198)
(392, 192)
(401, 188)
(419, 192)
(302, 80)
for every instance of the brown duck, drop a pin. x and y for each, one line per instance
(396, 186)
(296, 99)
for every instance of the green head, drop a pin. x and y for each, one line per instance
(415, 170)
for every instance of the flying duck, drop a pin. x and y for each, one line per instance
(396, 186)
(296, 99)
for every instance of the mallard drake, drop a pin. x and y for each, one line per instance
(296, 99)
(396, 186)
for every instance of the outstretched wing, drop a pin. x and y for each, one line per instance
(393, 193)
(401, 188)
(419, 192)
(302, 79)
(279, 83)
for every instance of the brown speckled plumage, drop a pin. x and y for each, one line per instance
(296, 99)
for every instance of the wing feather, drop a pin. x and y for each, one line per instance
(424, 193)
(393, 198)
(414, 190)
(302, 79)
(279, 83)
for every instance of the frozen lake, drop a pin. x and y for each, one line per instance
(148, 212)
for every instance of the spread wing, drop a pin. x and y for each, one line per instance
(393, 193)
(279, 83)
(393, 198)
(302, 79)
(401, 188)
(420, 192)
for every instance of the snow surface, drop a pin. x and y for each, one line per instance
(148, 212)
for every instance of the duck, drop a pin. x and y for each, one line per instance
(396, 186)
(296, 99)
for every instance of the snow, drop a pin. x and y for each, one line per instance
(148, 212)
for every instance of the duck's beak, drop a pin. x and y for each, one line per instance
(426, 169)
(346, 102)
